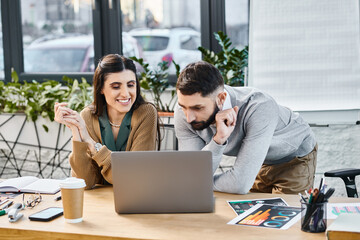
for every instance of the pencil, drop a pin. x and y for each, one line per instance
(321, 182)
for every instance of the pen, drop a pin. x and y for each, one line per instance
(4, 201)
(315, 194)
(302, 197)
(307, 194)
(324, 187)
(320, 198)
(310, 198)
(7, 205)
(321, 183)
(329, 193)
(3, 212)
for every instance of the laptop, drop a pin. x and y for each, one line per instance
(162, 182)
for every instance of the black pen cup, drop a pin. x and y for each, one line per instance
(313, 217)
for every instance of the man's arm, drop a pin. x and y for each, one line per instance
(260, 123)
(189, 140)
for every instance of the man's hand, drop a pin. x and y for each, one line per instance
(225, 124)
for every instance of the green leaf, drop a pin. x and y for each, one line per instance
(230, 74)
(156, 79)
(45, 128)
(230, 61)
(38, 99)
(14, 76)
(144, 84)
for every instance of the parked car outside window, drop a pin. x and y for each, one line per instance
(69, 54)
(178, 44)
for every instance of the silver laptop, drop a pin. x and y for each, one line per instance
(162, 182)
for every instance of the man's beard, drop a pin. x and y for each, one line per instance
(204, 124)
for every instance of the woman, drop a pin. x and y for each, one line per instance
(118, 120)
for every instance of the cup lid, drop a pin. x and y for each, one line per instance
(72, 182)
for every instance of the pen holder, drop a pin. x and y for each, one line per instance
(313, 217)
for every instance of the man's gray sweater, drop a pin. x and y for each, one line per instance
(265, 133)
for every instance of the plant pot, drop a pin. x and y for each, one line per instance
(169, 140)
(166, 114)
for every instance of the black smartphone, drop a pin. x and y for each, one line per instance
(47, 214)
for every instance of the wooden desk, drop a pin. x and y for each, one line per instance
(102, 222)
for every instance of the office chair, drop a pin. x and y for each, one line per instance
(348, 176)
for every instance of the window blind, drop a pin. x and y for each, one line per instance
(306, 54)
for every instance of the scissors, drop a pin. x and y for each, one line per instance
(315, 194)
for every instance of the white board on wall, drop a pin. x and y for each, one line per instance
(306, 54)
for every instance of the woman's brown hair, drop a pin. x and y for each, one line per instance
(113, 63)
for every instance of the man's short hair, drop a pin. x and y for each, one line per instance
(199, 77)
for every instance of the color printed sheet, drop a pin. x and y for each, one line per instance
(268, 216)
(335, 209)
(240, 206)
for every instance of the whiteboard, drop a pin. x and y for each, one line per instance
(306, 54)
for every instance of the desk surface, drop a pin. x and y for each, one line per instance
(102, 222)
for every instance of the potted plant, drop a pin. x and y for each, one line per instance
(37, 99)
(231, 62)
(27, 128)
(156, 81)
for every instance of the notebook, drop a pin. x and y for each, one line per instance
(162, 182)
(346, 226)
(30, 184)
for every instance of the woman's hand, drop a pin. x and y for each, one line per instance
(66, 116)
(61, 111)
(84, 134)
(74, 121)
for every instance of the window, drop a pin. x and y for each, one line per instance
(161, 29)
(189, 42)
(237, 22)
(1, 52)
(54, 60)
(51, 20)
(57, 35)
(306, 55)
(152, 43)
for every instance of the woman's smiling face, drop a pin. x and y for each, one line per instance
(120, 91)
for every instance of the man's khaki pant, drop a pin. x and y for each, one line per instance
(289, 178)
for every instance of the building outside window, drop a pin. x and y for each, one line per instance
(237, 22)
(57, 36)
(1, 51)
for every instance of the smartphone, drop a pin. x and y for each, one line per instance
(47, 214)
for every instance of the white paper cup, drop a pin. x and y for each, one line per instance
(72, 195)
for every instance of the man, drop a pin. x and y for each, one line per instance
(274, 147)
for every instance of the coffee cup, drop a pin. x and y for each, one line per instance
(72, 195)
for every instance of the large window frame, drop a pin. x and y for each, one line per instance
(107, 30)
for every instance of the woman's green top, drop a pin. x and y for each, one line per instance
(107, 136)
